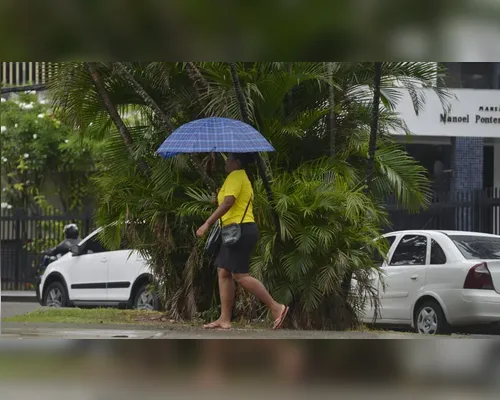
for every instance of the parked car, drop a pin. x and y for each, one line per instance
(92, 275)
(437, 280)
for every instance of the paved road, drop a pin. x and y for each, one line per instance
(11, 309)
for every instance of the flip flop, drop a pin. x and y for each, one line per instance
(212, 325)
(279, 322)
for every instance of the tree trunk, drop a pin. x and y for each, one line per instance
(199, 166)
(331, 115)
(125, 73)
(260, 161)
(113, 113)
(201, 86)
(239, 93)
(289, 96)
(372, 146)
(200, 83)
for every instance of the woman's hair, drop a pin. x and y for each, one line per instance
(245, 159)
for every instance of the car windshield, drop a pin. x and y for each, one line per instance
(478, 247)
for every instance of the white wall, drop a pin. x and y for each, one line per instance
(476, 113)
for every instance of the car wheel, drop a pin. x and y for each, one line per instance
(146, 300)
(430, 319)
(56, 296)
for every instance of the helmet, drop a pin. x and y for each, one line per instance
(71, 231)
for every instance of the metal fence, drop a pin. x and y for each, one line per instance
(25, 235)
(477, 211)
(24, 73)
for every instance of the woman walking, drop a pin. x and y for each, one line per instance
(235, 200)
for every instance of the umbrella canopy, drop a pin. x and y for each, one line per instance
(207, 135)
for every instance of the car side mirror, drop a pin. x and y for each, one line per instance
(75, 250)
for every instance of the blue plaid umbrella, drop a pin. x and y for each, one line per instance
(207, 135)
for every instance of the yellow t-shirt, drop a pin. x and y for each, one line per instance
(238, 185)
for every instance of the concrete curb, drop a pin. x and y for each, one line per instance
(19, 297)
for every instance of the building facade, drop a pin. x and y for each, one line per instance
(459, 143)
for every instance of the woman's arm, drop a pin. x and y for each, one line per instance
(221, 210)
(232, 188)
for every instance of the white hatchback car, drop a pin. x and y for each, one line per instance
(436, 280)
(93, 276)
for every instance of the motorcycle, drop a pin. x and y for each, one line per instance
(46, 261)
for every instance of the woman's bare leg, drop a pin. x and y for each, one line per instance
(255, 287)
(227, 292)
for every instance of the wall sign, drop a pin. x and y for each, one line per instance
(471, 112)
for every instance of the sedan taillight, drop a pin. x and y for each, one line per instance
(479, 277)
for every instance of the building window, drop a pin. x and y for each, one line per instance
(437, 159)
(496, 76)
(477, 75)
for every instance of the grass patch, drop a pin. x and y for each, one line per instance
(106, 316)
(379, 329)
(114, 316)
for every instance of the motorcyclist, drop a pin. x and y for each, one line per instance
(71, 238)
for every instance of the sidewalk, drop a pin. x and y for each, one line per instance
(47, 333)
(19, 296)
(16, 330)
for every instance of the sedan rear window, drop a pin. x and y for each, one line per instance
(477, 247)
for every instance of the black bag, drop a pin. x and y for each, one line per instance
(231, 234)
(214, 240)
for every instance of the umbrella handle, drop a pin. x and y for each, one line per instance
(260, 162)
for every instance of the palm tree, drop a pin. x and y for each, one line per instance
(331, 104)
(110, 107)
(322, 223)
(374, 125)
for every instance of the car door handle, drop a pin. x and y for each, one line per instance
(104, 260)
(414, 277)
